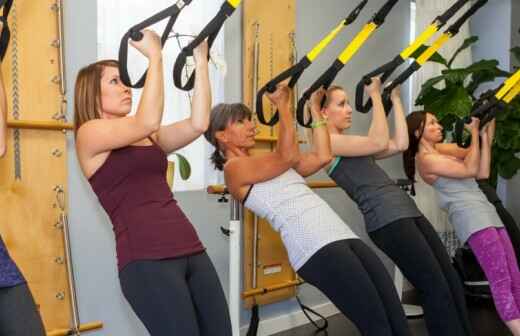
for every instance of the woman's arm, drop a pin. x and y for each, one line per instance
(320, 154)
(182, 133)
(243, 171)
(378, 134)
(485, 150)
(102, 135)
(443, 165)
(399, 142)
(452, 149)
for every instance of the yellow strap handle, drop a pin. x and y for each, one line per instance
(316, 51)
(513, 93)
(508, 84)
(433, 48)
(357, 43)
(234, 3)
(420, 40)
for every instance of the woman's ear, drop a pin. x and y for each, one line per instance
(221, 136)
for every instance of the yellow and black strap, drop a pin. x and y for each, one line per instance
(295, 72)
(490, 103)
(386, 70)
(326, 79)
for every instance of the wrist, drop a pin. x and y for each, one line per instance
(319, 123)
(155, 57)
(201, 63)
(375, 95)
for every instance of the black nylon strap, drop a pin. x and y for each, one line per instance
(399, 80)
(294, 73)
(385, 71)
(135, 34)
(6, 32)
(454, 28)
(325, 80)
(210, 32)
(446, 16)
(380, 17)
(403, 77)
(485, 109)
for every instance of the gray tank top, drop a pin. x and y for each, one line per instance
(468, 209)
(306, 223)
(378, 197)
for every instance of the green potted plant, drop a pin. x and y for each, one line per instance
(451, 96)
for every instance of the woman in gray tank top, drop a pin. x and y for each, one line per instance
(452, 172)
(392, 219)
(321, 248)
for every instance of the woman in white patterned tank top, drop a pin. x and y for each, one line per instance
(321, 248)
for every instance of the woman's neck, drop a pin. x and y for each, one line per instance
(334, 130)
(426, 147)
(234, 152)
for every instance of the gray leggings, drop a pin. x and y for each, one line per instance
(18, 313)
(181, 296)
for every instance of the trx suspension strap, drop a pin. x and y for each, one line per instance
(386, 70)
(328, 76)
(297, 70)
(135, 34)
(210, 32)
(489, 105)
(6, 33)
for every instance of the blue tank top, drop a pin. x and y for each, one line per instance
(10, 275)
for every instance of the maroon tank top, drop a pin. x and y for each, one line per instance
(147, 221)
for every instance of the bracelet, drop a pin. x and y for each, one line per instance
(319, 123)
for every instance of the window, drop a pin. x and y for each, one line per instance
(115, 17)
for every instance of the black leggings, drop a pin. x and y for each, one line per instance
(18, 313)
(414, 246)
(356, 281)
(513, 230)
(181, 296)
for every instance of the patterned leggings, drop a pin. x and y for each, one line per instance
(496, 256)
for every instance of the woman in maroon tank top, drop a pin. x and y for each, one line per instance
(164, 271)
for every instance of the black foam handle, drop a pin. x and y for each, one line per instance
(380, 16)
(454, 28)
(446, 16)
(209, 32)
(294, 73)
(355, 13)
(385, 71)
(324, 81)
(135, 34)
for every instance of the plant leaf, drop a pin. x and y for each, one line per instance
(516, 53)
(436, 57)
(465, 45)
(184, 167)
(509, 168)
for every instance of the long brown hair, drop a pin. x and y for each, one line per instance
(416, 122)
(87, 92)
(221, 116)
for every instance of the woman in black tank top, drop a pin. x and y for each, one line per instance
(392, 220)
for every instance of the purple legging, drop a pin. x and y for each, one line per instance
(496, 256)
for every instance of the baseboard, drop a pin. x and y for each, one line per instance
(289, 321)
